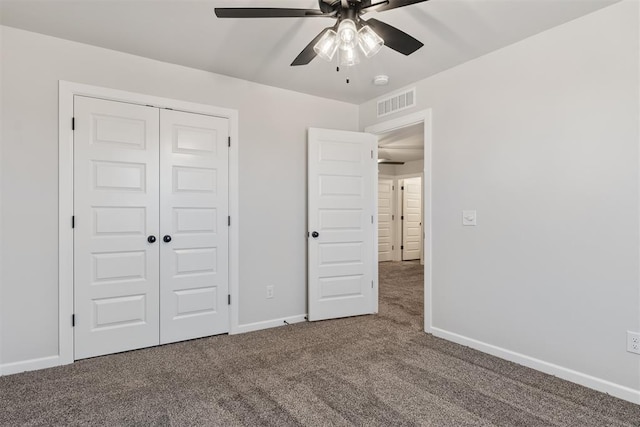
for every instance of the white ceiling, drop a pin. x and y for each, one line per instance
(402, 145)
(187, 32)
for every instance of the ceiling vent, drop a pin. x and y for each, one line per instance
(397, 102)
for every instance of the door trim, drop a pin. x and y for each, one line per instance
(423, 116)
(66, 93)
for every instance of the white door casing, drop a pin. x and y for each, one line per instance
(412, 219)
(385, 219)
(193, 214)
(342, 180)
(116, 208)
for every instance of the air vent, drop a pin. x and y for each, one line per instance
(397, 102)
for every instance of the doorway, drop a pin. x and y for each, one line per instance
(400, 167)
(404, 152)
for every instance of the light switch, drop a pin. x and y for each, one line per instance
(469, 218)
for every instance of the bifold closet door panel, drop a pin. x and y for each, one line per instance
(194, 237)
(116, 200)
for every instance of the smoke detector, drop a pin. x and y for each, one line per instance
(381, 80)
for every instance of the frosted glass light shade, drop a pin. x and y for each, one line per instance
(347, 34)
(348, 57)
(369, 41)
(327, 45)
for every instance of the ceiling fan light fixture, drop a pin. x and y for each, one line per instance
(370, 43)
(348, 57)
(347, 34)
(327, 45)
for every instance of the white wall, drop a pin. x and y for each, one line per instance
(273, 125)
(542, 139)
(410, 168)
(387, 170)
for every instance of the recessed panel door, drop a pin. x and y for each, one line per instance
(116, 227)
(341, 207)
(385, 219)
(194, 231)
(412, 222)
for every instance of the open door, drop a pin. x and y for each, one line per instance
(342, 239)
(412, 219)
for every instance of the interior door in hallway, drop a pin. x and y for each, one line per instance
(342, 180)
(412, 219)
(116, 262)
(195, 236)
(385, 219)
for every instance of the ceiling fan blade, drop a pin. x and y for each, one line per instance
(267, 12)
(389, 162)
(308, 53)
(394, 4)
(374, 7)
(394, 38)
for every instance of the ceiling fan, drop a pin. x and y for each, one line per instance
(349, 34)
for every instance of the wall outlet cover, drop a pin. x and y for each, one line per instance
(469, 218)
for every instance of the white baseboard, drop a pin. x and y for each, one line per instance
(51, 361)
(586, 380)
(249, 327)
(29, 365)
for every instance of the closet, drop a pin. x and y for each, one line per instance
(150, 226)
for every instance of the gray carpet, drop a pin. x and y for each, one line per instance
(368, 370)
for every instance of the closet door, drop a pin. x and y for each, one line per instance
(116, 296)
(194, 232)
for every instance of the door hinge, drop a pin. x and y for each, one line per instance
(73, 221)
(372, 284)
(402, 188)
(393, 217)
(228, 221)
(229, 141)
(228, 299)
(392, 247)
(73, 320)
(371, 219)
(402, 218)
(73, 123)
(372, 154)
(393, 187)
(401, 247)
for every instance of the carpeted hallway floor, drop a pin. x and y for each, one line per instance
(368, 370)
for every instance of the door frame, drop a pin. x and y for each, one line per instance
(424, 117)
(66, 92)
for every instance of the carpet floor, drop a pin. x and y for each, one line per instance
(366, 371)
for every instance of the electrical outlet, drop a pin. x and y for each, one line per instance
(269, 291)
(633, 342)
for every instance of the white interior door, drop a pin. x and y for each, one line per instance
(385, 219)
(412, 219)
(195, 235)
(116, 211)
(342, 169)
